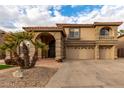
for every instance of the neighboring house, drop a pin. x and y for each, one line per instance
(2, 33)
(78, 41)
(120, 46)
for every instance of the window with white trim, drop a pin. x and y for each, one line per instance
(74, 33)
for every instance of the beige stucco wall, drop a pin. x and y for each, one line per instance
(93, 33)
(85, 33)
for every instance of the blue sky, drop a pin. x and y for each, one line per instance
(74, 10)
(69, 10)
(14, 17)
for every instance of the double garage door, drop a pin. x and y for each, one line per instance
(87, 52)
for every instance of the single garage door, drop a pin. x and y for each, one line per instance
(105, 52)
(86, 52)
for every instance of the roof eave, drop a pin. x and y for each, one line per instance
(107, 23)
(74, 25)
(37, 30)
(120, 36)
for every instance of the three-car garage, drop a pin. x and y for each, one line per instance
(88, 52)
(85, 52)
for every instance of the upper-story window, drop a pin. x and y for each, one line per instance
(74, 33)
(104, 31)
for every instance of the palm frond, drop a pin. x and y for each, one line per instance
(39, 44)
(3, 47)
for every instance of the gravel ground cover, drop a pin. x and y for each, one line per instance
(34, 77)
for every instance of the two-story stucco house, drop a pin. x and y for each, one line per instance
(78, 41)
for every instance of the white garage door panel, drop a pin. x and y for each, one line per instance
(80, 53)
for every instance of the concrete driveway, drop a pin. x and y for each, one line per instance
(89, 73)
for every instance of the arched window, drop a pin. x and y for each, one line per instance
(104, 31)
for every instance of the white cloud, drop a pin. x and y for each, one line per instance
(73, 6)
(105, 14)
(15, 17)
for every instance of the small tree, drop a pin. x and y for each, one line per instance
(2, 52)
(13, 40)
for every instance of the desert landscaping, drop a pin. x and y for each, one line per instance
(69, 74)
(34, 77)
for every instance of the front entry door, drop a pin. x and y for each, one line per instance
(51, 51)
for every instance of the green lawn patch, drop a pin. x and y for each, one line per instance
(5, 66)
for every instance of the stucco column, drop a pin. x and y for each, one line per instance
(115, 52)
(58, 50)
(97, 32)
(97, 52)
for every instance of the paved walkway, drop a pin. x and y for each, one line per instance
(89, 73)
(50, 63)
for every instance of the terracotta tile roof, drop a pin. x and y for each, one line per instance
(120, 36)
(74, 25)
(60, 25)
(41, 28)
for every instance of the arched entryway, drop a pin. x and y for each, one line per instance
(49, 40)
